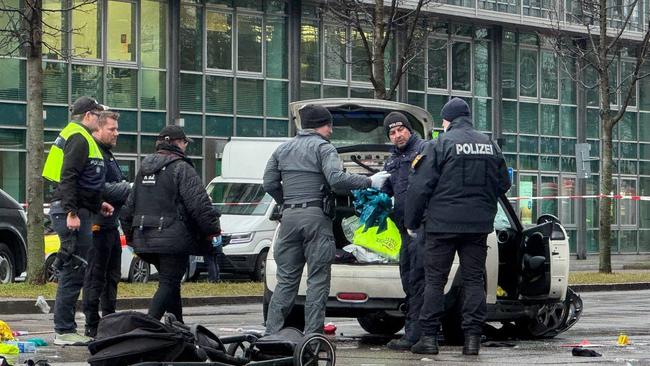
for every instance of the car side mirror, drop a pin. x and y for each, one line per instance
(276, 214)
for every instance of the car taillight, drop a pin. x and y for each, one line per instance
(122, 241)
(352, 297)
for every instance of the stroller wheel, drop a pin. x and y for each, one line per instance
(241, 349)
(314, 350)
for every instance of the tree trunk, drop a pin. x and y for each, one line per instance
(378, 51)
(35, 268)
(605, 203)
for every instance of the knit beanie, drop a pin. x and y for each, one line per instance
(396, 119)
(314, 116)
(455, 108)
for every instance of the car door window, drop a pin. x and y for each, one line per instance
(501, 220)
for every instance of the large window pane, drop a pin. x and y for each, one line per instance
(10, 45)
(482, 114)
(309, 51)
(122, 87)
(549, 188)
(416, 73)
(509, 69)
(644, 90)
(250, 98)
(360, 68)
(121, 31)
(332, 91)
(219, 97)
(54, 39)
(190, 99)
(438, 63)
(335, 47)
(251, 127)
(529, 144)
(567, 206)
(528, 118)
(309, 91)
(434, 106)
(549, 145)
(527, 207)
(277, 98)
(528, 73)
(644, 206)
(153, 33)
(12, 79)
(627, 127)
(13, 114)
(55, 117)
(191, 38)
(567, 83)
(152, 121)
(568, 121)
(627, 69)
(509, 118)
(193, 124)
(219, 45)
(128, 121)
(86, 30)
(153, 89)
(87, 80)
(276, 48)
(218, 126)
(249, 44)
(277, 128)
(461, 66)
(644, 127)
(549, 75)
(12, 173)
(549, 123)
(55, 82)
(482, 72)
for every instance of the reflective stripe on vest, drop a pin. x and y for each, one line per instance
(54, 163)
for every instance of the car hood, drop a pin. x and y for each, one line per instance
(231, 224)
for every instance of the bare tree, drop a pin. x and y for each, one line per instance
(375, 26)
(594, 35)
(22, 34)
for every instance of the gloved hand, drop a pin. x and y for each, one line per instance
(378, 179)
(412, 233)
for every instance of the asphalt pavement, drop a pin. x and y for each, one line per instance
(606, 315)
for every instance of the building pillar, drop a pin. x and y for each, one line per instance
(173, 62)
(497, 64)
(581, 186)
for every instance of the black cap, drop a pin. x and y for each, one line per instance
(314, 116)
(173, 132)
(455, 108)
(396, 119)
(86, 104)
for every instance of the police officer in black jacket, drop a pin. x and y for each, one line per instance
(406, 146)
(169, 216)
(459, 178)
(104, 257)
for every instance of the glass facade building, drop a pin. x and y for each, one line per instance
(230, 68)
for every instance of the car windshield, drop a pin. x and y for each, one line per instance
(362, 127)
(239, 198)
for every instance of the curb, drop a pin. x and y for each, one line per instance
(632, 286)
(27, 306)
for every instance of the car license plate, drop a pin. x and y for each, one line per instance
(199, 259)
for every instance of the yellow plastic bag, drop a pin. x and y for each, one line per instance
(5, 332)
(387, 243)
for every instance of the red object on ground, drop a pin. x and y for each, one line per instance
(329, 328)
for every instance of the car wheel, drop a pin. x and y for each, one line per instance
(260, 266)
(7, 267)
(381, 323)
(139, 271)
(549, 318)
(51, 274)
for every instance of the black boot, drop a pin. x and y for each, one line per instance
(472, 344)
(427, 345)
(400, 344)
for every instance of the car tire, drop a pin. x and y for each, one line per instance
(139, 271)
(7, 266)
(51, 274)
(260, 266)
(381, 323)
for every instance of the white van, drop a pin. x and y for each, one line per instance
(245, 208)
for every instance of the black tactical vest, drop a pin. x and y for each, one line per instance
(156, 199)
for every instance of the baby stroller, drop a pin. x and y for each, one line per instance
(133, 338)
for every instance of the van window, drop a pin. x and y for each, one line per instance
(362, 127)
(239, 198)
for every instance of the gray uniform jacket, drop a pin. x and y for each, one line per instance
(299, 168)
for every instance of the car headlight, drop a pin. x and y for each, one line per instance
(241, 238)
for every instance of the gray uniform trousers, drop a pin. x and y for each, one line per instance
(305, 237)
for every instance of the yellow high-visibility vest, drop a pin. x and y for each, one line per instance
(54, 163)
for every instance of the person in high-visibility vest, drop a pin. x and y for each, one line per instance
(76, 165)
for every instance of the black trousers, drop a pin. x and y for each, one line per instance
(102, 275)
(411, 271)
(171, 268)
(438, 258)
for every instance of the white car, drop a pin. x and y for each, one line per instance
(526, 269)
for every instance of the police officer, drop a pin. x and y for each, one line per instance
(457, 180)
(75, 163)
(299, 174)
(104, 257)
(169, 216)
(407, 145)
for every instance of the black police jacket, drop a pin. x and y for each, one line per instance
(459, 178)
(116, 189)
(169, 210)
(399, 167)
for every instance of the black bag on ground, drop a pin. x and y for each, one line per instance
(129, 337)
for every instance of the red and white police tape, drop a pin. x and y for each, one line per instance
(613, 196)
